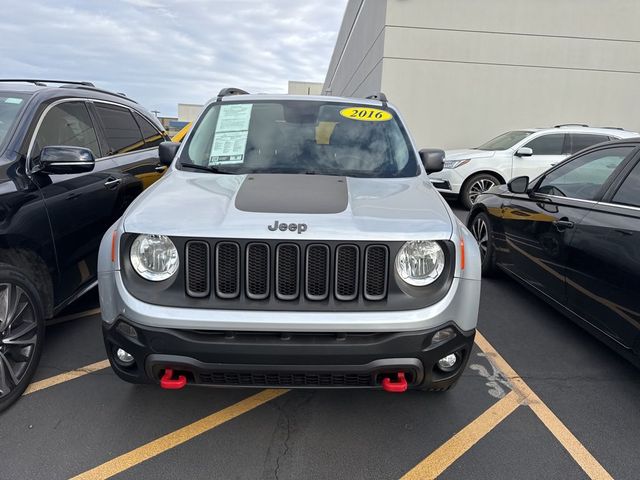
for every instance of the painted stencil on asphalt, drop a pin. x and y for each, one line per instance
(495, 380)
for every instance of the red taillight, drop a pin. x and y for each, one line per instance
(461, 253)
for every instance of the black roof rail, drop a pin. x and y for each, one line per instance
(91, 88)
(43, 83)
(613, 128)
(570, 125)
(378, 96)
(225, 92)
(66, 84)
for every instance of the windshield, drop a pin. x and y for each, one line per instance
(293, 136)
(505, 141)
(10, 106)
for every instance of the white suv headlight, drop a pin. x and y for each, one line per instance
(154, 257)
(420, 263)
(455, 163)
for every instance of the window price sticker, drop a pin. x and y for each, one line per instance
(230, 140)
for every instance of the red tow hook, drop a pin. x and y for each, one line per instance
(395, 387)
(169, 383)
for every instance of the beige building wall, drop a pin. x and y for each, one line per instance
(355, 69)
(304, 88)
(463, 71)
(188, 112)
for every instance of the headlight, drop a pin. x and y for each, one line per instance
(154, 257)
(455, 163)
(420, 263)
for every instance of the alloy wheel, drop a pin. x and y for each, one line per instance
(18, 336)
(480, 232)
(479, 187)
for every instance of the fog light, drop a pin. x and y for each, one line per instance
(448, 363)
(124, 357)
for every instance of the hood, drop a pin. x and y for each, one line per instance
(465, 153)
(313, 207)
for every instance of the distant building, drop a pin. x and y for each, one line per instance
(188, 112)
(305, 88)
(464, 71)
(166, 121)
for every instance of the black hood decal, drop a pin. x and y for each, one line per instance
(286, 193)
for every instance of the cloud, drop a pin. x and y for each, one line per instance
(162, 52)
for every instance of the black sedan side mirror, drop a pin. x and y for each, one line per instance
(518, 185)
(63, 160)
(432, 159)
(167, 152)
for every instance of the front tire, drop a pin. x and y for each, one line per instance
(475, 186)
(21, 333)
(483, 233)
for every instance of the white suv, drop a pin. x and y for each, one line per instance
(529, 152)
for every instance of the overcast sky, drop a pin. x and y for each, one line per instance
(163, 52)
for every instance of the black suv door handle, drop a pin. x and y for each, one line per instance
(112, 182)
(563, 224)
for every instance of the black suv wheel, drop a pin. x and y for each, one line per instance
(21, 333)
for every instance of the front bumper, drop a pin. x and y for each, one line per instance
(278, 359)
(447, 181)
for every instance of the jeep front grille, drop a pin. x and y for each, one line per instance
(287, 271)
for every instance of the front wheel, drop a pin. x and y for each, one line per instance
(483, 233)
(476, 186)
(21, 333)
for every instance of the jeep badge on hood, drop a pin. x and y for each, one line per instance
(292, 227)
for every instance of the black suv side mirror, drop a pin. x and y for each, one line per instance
(167, 152)
(518, 185)
(63, 159)
(432, 159)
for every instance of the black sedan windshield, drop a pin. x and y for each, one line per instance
(293, 136)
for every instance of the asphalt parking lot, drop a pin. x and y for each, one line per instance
(539, 399)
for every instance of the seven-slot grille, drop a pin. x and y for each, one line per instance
(287, 271)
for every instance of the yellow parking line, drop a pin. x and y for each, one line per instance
(580, 454)
(65, 377)
(438, 461)
(173, 439)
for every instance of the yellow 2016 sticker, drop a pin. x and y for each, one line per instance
(366, 114)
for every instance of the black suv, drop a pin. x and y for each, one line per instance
(72, 158)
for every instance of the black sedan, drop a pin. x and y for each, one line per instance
(572, 236)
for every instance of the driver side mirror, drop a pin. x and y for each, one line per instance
(524, 152)
(518, 185)
(167, 152)
(63, 160)
(432, 159)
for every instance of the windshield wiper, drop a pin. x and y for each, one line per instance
(205, 168)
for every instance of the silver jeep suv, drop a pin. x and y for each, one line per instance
(293, 242)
